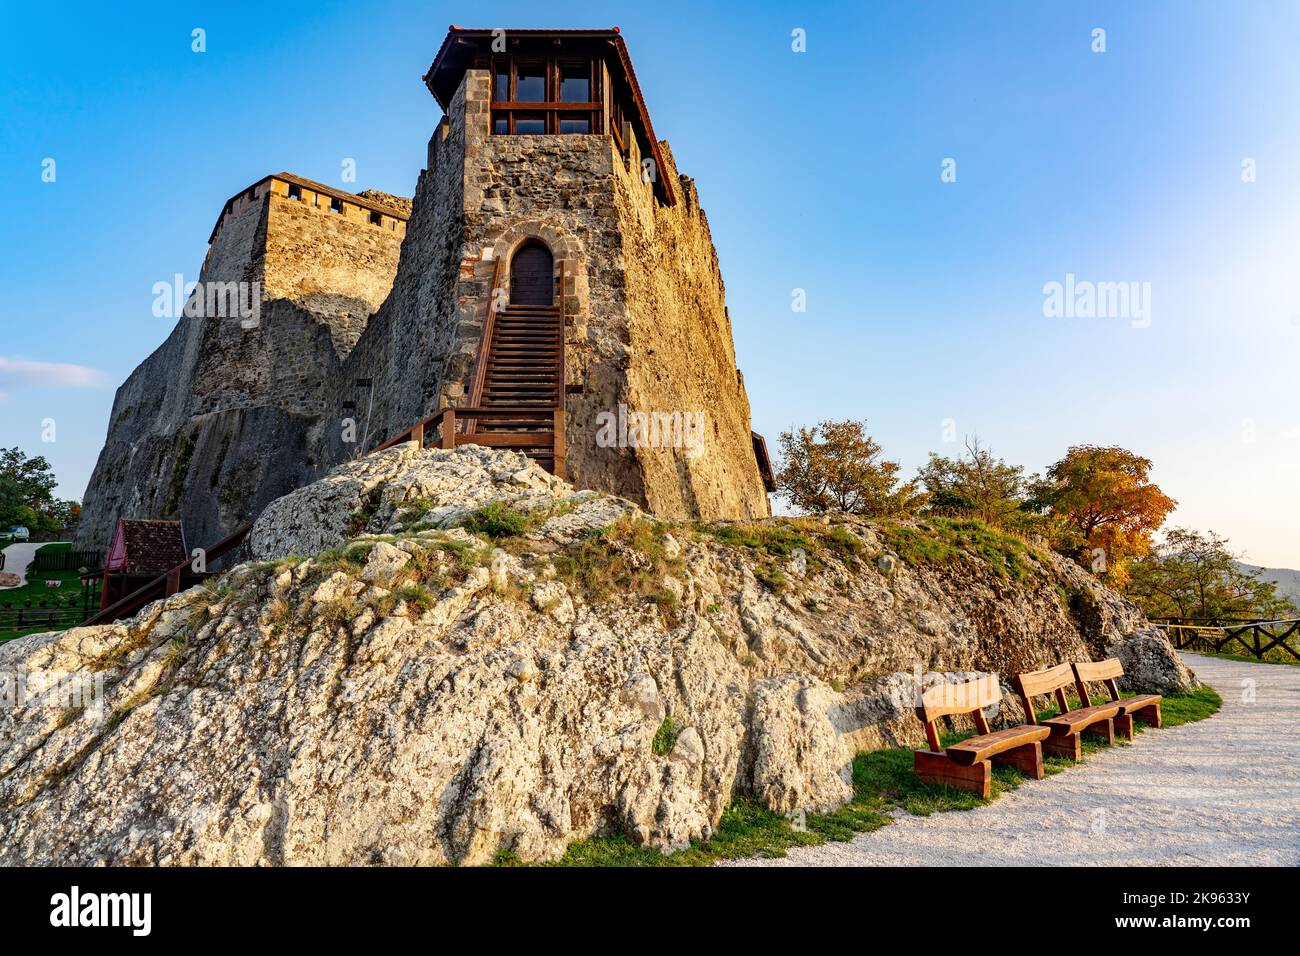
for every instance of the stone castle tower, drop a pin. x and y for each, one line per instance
(227, 414)
(552, 254)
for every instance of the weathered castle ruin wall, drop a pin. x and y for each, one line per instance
(647, 328)
(371, 321)
(225, 416)
(410, 344)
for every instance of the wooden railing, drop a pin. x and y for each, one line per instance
(66, 560)
(55, 618)
(1256, 638)
(457, 426)
(485, 340)
(445, 424)
(171, 581)
(559, 398)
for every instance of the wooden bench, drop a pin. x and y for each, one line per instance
(1069, 725)
(1144, 707)
(965, 765)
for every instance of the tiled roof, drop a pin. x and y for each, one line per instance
(146, 548)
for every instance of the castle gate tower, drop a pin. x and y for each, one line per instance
(556, 259)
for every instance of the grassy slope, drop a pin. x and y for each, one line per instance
(34, 594)
(883, 782)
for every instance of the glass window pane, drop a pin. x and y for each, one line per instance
(530, 84)
(575, 84)
(530, 125)
(501, 125)
(501, 87)
(575, 125)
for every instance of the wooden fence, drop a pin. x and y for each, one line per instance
(21, 618)
(67, 561)
(1229, 636)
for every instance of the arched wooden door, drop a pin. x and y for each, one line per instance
(532, 276)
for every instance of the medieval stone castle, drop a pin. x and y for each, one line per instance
(554, 270)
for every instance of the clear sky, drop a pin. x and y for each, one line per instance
(819, 171)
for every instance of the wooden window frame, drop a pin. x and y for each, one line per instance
(551, 109)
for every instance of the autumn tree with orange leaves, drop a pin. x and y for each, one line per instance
(1110, 507)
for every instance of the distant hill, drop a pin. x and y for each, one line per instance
(1286, 579)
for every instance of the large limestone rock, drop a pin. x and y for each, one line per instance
(417, 694)
(1148, 665)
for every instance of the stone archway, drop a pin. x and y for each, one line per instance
(565, 249)
(532, 274)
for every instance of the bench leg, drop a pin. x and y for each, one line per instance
(1027, 759)
(1124, 727)
(1104, 729)
(1066, 745)
(937, 768)
(1149, 715)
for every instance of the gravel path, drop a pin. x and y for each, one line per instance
(18, 556)
(1223, 791)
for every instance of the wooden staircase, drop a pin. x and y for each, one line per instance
(516, 399)
(522, 369)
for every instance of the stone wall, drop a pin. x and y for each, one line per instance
(647, 323)
(224, 418)
(409, 349)
(684, 359)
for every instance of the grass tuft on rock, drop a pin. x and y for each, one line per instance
(496, 520)
(939, 540)
(628, 557)
(666, 737)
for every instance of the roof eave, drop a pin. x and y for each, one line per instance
(615, 36)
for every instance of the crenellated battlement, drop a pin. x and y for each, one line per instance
(358, 208)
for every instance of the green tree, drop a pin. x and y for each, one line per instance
(976, 484)
(27, 493)
(838, 466)
(1193, 574)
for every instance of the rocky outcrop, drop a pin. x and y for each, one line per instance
(440, 655)
(1148, 665)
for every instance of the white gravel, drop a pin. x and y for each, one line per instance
(1223, 791)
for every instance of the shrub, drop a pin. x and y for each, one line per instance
(498, 520)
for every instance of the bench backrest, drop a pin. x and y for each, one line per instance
(1049, 680)
(964, 697)
(1104, 671)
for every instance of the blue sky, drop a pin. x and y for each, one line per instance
(819, 171)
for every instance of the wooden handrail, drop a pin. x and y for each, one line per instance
(1264, 636)
(485, 340)
(167, 583)
(1221, 621)
(557, 428)
(559, 396)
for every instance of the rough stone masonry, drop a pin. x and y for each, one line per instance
(357, 343)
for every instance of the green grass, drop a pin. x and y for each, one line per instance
(883, 783)
(626, 558)
(939, 540)
(1186, 708)
(777, 539)
(34, 593)
(497, 520)
(666, 737)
